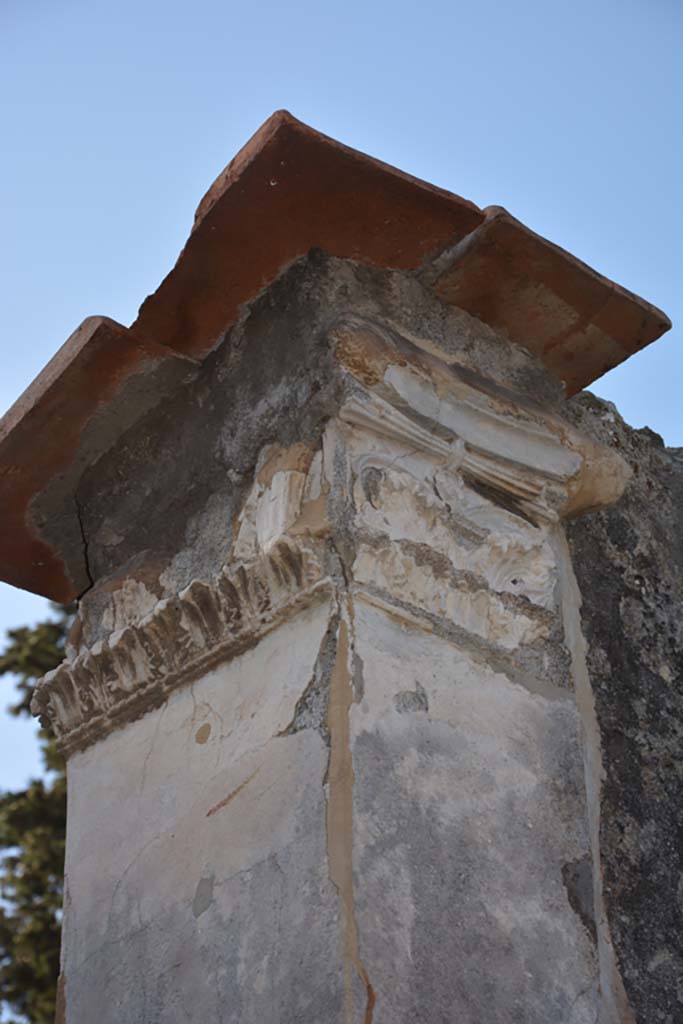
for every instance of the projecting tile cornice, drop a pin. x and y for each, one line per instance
(290, 190)
(576, 321)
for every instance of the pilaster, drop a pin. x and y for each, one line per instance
(372, 723)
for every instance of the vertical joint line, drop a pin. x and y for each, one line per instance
(340, 804)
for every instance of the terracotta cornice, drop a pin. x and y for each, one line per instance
(289, 190)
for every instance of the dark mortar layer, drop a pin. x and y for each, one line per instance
(629, 564)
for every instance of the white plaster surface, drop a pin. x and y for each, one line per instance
(196, 869)
(468, 801)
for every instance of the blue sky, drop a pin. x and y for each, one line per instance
(117, 116)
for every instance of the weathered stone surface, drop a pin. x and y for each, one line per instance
(629, 564)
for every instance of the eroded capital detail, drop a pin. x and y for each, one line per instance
(440, 491)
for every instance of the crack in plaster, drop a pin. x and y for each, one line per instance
(86, 547)
(155, 736)
(232, 794)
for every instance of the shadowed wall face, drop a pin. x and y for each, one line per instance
(333, 751)
(629, 563)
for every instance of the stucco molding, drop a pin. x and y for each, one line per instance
(537, 474)
(136, 668)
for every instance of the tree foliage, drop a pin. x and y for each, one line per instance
(32, 833)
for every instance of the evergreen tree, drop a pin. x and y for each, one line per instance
(32, 832)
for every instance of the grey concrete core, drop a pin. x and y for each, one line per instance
(629, 564)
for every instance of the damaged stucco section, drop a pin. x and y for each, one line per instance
(176, 478)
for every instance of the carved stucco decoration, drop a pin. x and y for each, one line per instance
(519, 451)
(137, 667)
